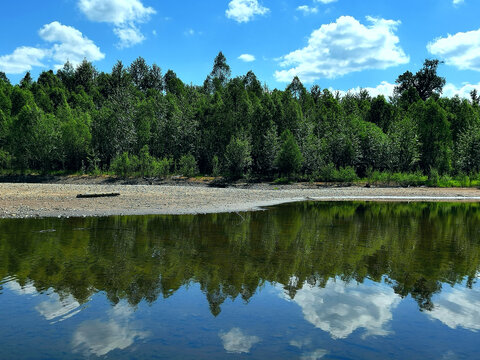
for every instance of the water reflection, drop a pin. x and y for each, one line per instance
(345, 268)
(458, 308)
(237, 342)
(100, 337)
(340, 308)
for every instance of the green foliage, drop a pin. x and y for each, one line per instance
(80, 119)
(237, 158)
(187, 166)
(124, 165)
(289, 159)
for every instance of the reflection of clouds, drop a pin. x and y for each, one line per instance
(458, 308)
(99, 338)
(341, 308)
(27, 289)
(235, 341)
(56, 307)
(314, 355)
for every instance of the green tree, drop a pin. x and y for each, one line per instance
(237, 158)
(289, 159)
(426, 81)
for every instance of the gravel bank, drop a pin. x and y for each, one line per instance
(59, 200)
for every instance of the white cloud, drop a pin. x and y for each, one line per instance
(461, 50)
(450, 90)
(343, 47)
(68, 44)
(307, 10)
(247, 57)
(123, 14)
(245, 10)
(117, 12)
(99, 338)
(235, 341)
(325, 1)
(458, 308)
(341, 308)
(22, 59)
(384, 88)
(458, 2)
(128, 36)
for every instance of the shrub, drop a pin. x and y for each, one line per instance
(188, 166)
(124, 165)
(162, 167)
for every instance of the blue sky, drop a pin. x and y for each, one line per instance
(337, 44)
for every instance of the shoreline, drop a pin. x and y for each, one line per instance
(26, 200)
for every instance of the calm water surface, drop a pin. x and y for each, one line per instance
(305, 281)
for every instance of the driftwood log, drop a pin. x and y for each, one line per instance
(87, 196)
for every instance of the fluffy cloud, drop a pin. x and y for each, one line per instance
(235, 341)
(99, 338)
(450, 90)
(458, 308)
(245, 10)
(68, 44)
(458, 2)
(307, 9)
(342, 308)
(384, 88)
(343, 47)
(325, 1)
(247, 57)
(123, 14)
(461, 50)
(22, 59)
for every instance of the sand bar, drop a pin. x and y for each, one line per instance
(59, 200)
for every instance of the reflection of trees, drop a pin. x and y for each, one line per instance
(415, 247)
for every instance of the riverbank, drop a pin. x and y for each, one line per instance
(22, 200)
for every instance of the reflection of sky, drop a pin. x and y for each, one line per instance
(308, 355)
(27, 289)
(100, 337)
(458, 308)
(236, 341)
(56, 308)
(341, 308)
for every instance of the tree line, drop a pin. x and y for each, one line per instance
(137, 121)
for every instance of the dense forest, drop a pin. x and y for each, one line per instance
(137, 121)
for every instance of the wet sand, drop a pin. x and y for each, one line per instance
(59, 200)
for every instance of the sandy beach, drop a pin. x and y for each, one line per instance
(19, 200)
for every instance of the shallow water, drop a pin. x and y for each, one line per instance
(307, 281)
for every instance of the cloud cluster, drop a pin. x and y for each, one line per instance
(342, 308)
(236, 341)
(123, 14)
(68, 43)
(461, 50)
(244, 10)
(343, 47)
